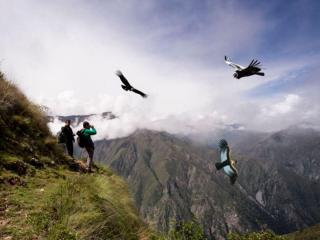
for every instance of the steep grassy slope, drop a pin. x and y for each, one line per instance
(61, 204)
(42, 193)
(24, 131)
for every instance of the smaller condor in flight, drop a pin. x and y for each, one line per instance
(228, 164)
(127, 86)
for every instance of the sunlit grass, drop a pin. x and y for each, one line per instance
(74, 206)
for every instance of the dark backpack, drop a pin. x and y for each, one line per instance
(61, 137)
(81, 139)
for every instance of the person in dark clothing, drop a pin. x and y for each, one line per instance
(87, 131)
(68, 137)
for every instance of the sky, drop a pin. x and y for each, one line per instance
(64, 55)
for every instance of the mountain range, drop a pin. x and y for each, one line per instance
(174, 179)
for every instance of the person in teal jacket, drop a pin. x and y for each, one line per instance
(89, 130)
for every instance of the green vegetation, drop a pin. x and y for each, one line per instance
(268, 235)
(310, 233)
(187, 230)
(25, 138)
(61, 204)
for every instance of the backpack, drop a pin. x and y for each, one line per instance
(81, 139)
(61, 137)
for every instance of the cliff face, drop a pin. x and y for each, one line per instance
(289, 189)
(173, 179)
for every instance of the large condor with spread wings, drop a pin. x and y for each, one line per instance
(127, 86)
(252, 69)
(228, 164)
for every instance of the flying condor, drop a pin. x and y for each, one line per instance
(252, 69)
(228, 164)
(127, 86)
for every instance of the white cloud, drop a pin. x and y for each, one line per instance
(283, 107)
(64, 54)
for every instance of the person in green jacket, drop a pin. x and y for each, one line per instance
(89, 130)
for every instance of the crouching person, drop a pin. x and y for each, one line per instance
(85, 141)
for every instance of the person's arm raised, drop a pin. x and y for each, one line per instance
(92, 131)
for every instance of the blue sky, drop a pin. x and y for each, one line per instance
(287, 29)
(63, 54)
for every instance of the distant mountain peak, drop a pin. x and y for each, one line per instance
(80, 118)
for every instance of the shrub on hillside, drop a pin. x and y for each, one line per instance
(187, 231)
(268, 235)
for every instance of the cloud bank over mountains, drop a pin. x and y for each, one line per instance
(64, 55)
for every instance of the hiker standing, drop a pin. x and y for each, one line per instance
(68, 136)
(87, 143)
